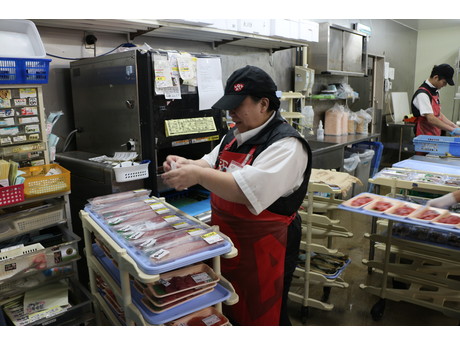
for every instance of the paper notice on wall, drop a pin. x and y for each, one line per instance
(187, 69)
(167, 80)
(161, 73)
(209, 77)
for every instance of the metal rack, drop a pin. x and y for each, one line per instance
(318, 227)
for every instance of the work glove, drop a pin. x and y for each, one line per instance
(456, 131)
(444, 201)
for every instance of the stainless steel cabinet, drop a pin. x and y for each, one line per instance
(339, 51)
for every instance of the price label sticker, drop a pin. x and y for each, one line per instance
(164, 282)
(114, 221)
(155, 204)
(125, 228)
(135, 235)
(180, 225)
(162, 210)
(149, 243)
(196, 232)
(171, 219)
(159, 254)
(201, 277)
(212, 237)
(211, 320)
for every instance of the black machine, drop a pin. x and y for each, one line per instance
(116, 109)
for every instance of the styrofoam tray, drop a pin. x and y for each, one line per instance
(422, 210)
(349, 203)
(209, 316)
(403, 204)
(394, 204)
(20, 39)
(408, 220)
(447, 214)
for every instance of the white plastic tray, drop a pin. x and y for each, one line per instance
(20, 39)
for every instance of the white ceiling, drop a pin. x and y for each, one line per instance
(428, 24)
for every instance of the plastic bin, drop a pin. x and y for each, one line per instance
(37, 183)
(11, 195)
(437, 144)
(19, 38)
(362, 169)
(375, 164)
(24, 71)
(132, 173)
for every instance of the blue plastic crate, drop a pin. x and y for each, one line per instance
(437, 144)
(24, 71)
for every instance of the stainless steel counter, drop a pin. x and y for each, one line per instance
(328, 153)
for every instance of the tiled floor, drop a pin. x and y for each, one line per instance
(352, 305)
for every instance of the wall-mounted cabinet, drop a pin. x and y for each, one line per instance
(339, 51)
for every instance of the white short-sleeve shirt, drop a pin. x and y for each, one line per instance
(422, 102)
(277, 171)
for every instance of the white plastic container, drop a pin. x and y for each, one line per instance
(308, 116)
(320, 131)
(20, 39)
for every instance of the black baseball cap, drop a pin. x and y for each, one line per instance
(247, 81)
(444, 71)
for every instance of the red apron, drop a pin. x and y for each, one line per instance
(257, 272)
(423, 127)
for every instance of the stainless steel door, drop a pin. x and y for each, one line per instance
(352, 52)
(106, 103)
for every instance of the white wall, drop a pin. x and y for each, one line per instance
(433, 48)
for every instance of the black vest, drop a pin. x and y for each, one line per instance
(432, 92)
(277, 129)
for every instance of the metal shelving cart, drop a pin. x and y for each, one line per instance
(121, 270)
(421, 269)
(318, 226)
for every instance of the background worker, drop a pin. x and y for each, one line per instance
(258, 177)
(426, 106)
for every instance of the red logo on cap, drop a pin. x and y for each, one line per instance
(238, 87)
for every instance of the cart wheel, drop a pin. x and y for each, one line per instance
(326, 293)
(378, 309)
(304, 314)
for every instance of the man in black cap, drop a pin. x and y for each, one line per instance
(426, 106)
(258, 177)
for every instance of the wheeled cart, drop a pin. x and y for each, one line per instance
(413, 267)
(118, 275)
(318, 231)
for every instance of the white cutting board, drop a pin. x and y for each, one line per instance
(400, 103)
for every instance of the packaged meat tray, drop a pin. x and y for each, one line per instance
(381, 205)
(183, 279)
(361, 200)
(206, 317)
(217, 295)
(448, 219)
(100, 201)
(159, 305)
(162, 259)
(427, 214)
(403, 209)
